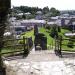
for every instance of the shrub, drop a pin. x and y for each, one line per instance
(53, 32)
(48, 27)
(21, 42)
(70, 44)
(59, 29)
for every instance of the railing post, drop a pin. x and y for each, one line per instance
(27, 43)
(24, 42)
(26, 51)
(55, 43)
(56, 46)
(60, 45)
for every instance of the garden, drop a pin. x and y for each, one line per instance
(50, 33)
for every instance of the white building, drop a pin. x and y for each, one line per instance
(33, 22)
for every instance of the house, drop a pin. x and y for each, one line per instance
(12, 19)
(39, 15)
(33, 22)
(28, 13)
(51, 23)
(20, 14)
(20, 29)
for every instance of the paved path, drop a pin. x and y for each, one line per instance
(41, 63)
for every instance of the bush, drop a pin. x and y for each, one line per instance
(59, 29)
(70, 44)
(20, 41)
(54, 32)
(48, 27)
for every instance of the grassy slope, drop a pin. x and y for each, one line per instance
(28, 34)
(50, 40)
(41, 30)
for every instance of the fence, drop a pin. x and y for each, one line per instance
(14, 46)
(64, 45)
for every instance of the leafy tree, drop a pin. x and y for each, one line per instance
(70, 44)
(25, 9)
(54, 32)
(45, 10)
(24, 16)
(48, 27)
(59, 29)
(54, 12)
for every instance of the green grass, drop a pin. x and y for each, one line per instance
(46, 32)
(4, 50)
(28, 34)
(63, 31)
(11, 49)
(65, 42)
(50, 40)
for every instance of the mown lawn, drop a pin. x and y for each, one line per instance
(28, 34)
(63, 31)
(46, 32)
(65, 42)
(50, 40)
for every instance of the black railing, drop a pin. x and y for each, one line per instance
(59, 45)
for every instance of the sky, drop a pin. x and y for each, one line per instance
(58, 4)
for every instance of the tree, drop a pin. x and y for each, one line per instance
(70, 44)
(25, 9)
(4, 8)
(54, 12)
(45, 10)
(24, 16)
(54, 32)
(59, 29)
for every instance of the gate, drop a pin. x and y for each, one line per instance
(16, 46)
(61, 46)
